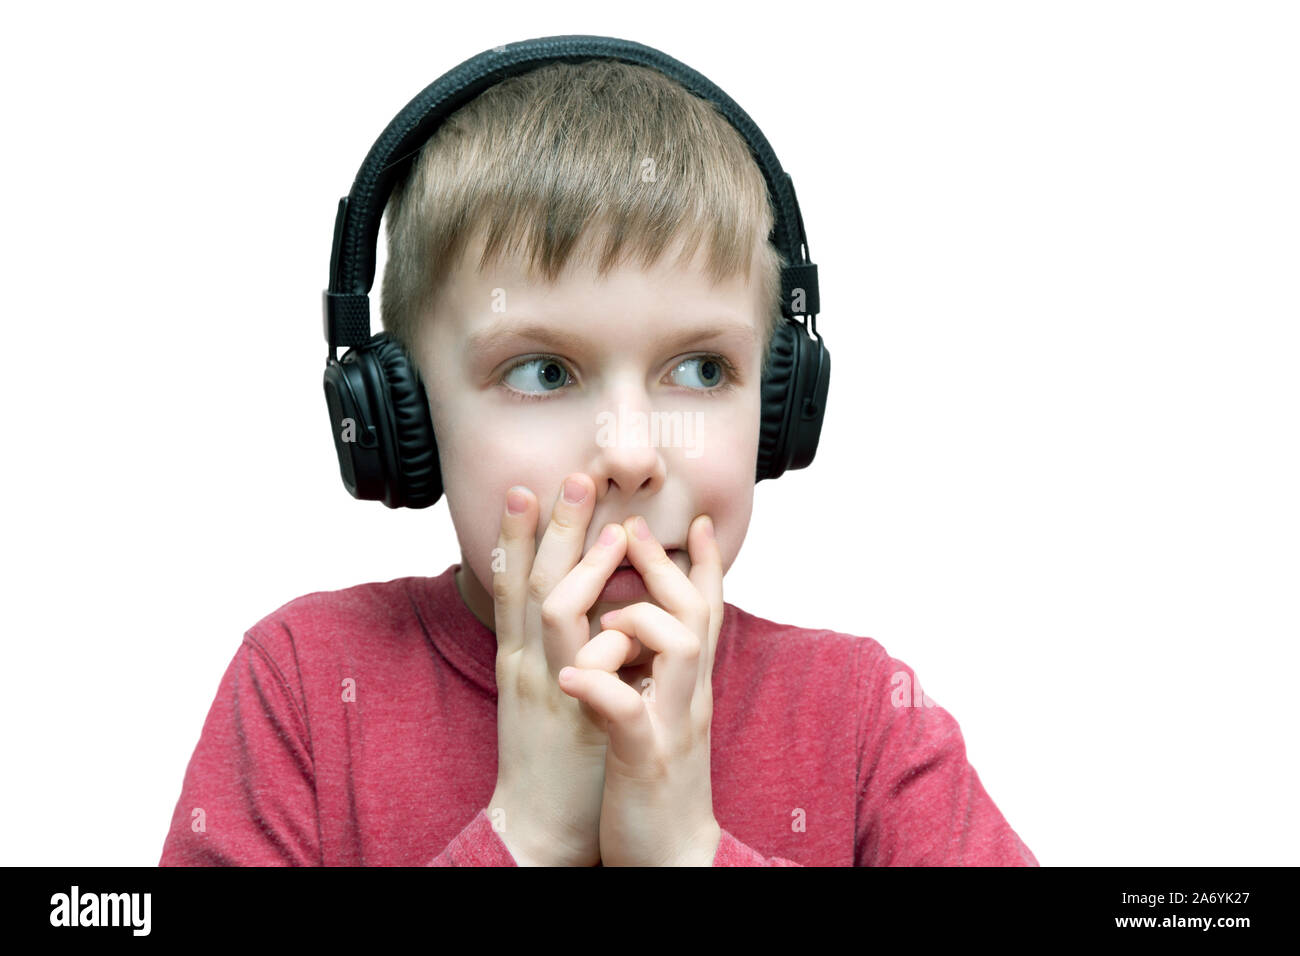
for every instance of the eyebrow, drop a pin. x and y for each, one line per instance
(505, 332)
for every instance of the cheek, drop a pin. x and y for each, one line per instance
(727, 438)
(485, 452)
(478, 479)
(725, 492)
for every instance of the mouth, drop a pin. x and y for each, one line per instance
(671, 552)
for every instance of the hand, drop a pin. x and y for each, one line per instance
(550, 748)
(658, 799)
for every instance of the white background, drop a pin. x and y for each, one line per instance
(1058, 249)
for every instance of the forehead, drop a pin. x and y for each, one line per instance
(670, 301)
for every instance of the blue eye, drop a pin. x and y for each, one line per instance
(547, 372)
(553, 375)
(712, 366)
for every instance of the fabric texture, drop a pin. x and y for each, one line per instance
(359, 728)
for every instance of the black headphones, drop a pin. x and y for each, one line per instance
(379, 413)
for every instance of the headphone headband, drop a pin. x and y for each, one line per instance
(346, 301)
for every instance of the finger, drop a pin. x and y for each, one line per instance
(607, 651)
(631, 731)
(556, 555)
(564, 612)
(676, 662)
(670, 588)
(706, 574)
(512, 562)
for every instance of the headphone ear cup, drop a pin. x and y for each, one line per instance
(383, 433)
(416, 479)
(809, 407)
(793, 401)
(776, 390)
(356, 440)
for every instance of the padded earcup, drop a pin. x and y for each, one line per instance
(419, 476)
(777, 389)
(808, 408)
(793, 400)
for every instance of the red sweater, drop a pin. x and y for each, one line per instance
(359, 727)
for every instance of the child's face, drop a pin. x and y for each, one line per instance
(635, 338)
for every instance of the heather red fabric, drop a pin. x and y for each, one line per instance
(358, 727)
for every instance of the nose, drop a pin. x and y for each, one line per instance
(627, 452)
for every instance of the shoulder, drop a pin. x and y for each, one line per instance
(817, 659)
(329, 622)
(812, 658)
(360, 603)
(779, 640)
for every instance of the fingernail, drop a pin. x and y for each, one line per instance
(574, 491)
(608, 536)
(566, 673)
(642, 529)
(516, 503)
(708, 528)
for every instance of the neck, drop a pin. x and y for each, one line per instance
(472, 594)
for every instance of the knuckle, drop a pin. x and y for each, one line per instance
(539, 586)
(588, 656)
(507, 678)
(626, 711)
(567, 517)
(531, 677)
(552, 614)
(502, 588)
(527, 687)
(660, 764)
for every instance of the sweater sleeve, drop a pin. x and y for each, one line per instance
(920, 802)
(249, 795)
(248, 798)
(476, 845)
(731, 852)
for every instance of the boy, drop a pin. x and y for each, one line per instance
(538, 703)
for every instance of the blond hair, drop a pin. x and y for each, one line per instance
(541, 160)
